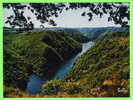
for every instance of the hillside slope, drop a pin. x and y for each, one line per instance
(93, 33)
(103, 71)
(38, 52)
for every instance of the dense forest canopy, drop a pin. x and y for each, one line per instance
(118, 12)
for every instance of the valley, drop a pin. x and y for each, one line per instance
(66, 62)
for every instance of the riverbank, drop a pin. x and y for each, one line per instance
(34, 83)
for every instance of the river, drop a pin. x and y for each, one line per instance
(35, 82)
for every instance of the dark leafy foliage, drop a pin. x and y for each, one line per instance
(118, 12)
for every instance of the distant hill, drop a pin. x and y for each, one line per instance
(7, 28)
(75, 34)
(80, 34)
(90, 33)
(93, 33)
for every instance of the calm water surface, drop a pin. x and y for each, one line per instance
(66, 67)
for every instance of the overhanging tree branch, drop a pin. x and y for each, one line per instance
(118, 12)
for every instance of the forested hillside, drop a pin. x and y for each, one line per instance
(77, 35)
(38, 52)
(103, 71)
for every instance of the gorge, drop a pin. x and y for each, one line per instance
(35, 82)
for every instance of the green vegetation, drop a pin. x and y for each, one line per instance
(101, 71)
(39, 52)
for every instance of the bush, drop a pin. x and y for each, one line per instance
(123, 75)
(72, 88)
(51, 87)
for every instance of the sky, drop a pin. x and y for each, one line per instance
(69, 19)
